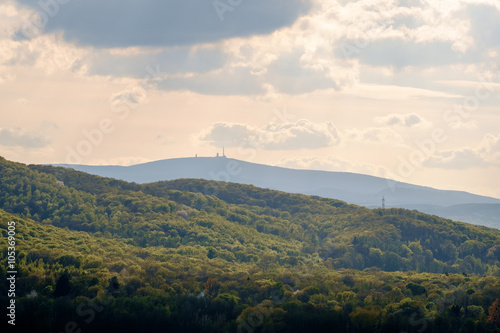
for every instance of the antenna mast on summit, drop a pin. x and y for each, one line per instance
(383, 202)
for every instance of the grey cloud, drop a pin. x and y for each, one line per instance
(289, 76)
(411, 3)
(407, 120)
(286, 75)
(485, 25)
(210, 72)
(235, 81)
(406, 21)
(131, 97)
(172, 60)
(107, 24)
(399, 54)
(458, 159)
(19, 138)
(302, 134)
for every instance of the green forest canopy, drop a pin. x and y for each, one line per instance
(231, 251)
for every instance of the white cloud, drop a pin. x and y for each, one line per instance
(5, 76)
(21, 101)
(465, 125)
(489, 148)
(302, 134)
(47, 56)
(485, 154)
(18, 137)
(130, 97)
(409, 120)
(165, 140)
(374, 135)
(394, 92)
(11, 18)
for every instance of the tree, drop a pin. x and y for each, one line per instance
(211, 253)
(62, 286)
(113, 286)
(211, 288)
(392, 262)
(494, 313)
(450, 251)
(416, 289)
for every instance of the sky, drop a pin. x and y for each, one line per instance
(408, 90)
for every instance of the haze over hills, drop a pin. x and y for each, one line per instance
(350, 187)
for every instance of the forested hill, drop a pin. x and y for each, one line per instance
(202, 256)
(350, 187)
(243, 223)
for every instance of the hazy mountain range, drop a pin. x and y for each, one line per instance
(353, 188)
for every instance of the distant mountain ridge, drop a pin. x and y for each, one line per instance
(350, 187)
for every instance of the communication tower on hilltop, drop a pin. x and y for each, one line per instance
(383, 202)
(223, 153)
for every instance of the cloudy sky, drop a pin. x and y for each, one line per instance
(404, 89)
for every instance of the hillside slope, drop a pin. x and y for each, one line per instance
(228, 216)
(204, 256)
(353, 188)
(104, 284)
